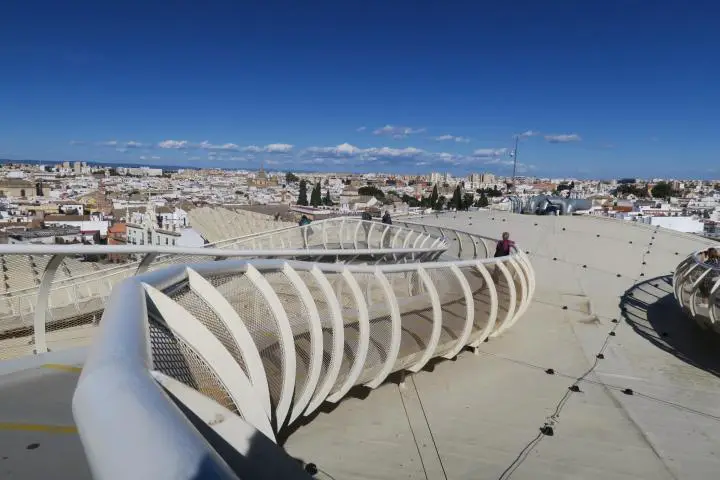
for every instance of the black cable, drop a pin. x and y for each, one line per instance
(521, 457)
(407, 416)
(326, 474)
(427, 422)
(553, 419)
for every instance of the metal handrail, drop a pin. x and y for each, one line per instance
(111, 367)
(161, 252)
(686, 287)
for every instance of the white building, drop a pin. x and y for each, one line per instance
(86, 223)
(162, 228)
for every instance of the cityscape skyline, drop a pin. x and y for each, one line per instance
(597, 91)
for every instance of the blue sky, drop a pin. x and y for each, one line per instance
(606, 88)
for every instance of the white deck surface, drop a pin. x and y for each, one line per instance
(482, 414)
(479, 417)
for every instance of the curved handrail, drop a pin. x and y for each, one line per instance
(694, 283)
(393, 298)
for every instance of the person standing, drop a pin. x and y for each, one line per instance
(503, 246)
(502, 249)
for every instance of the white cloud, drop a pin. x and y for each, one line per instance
(205, 145)
(174, 144)
(361, 129)
(344, 149)
(395, 131)
(527, 134)
(453, 138)
(393, 152)
(489, 152)
(155, 157)
(278, 148)
(78, 142)
(134, 144)
(143, 157)
(498, 161)
(272, 148)
(121, 150)
(340, 154)
(193, 158)
(521, 167)
(563, 138)
(109, 143)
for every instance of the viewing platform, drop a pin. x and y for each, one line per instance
(345, 341)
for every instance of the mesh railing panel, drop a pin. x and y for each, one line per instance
(252, 306)
(481, 300)
(416, 314)
(687, 286)
(518, 275)
(468, 249)
(380, 327)
(452, 306)
(176, 359)
(199, 308)
(503, 293)
(350, 316)
(328, 332)
(453, 250)
(300, 322)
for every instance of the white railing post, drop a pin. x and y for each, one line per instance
(145, 263)
(41, 303)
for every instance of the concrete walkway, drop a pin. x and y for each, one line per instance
(481, 416)
(603, 377)
(38, 439)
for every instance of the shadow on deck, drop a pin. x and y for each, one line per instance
(651, 309)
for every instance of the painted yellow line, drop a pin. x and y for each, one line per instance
(61, 367)
(31, 427)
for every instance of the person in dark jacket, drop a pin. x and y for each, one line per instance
(503, 246)
(306, 230)
(502, 249)
(386, 218)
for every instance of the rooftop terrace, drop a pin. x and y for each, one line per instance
(604, 376)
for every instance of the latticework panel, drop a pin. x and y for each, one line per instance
(329, 362)
(204, 313)
(300, 324)
(482, 301)
(351, 325)
(416, 315)
(252, 307)
(380, 327)
(176, 359)
(504, 294)
(452, 306)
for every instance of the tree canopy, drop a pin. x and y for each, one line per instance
(482, 202)
(467, 200)
(661, 190)
(291, 177)
(631, 189)
(327, 200)
(371, 190)
(490, 192)
(302, 195)
(456, 201)
(316, 196)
